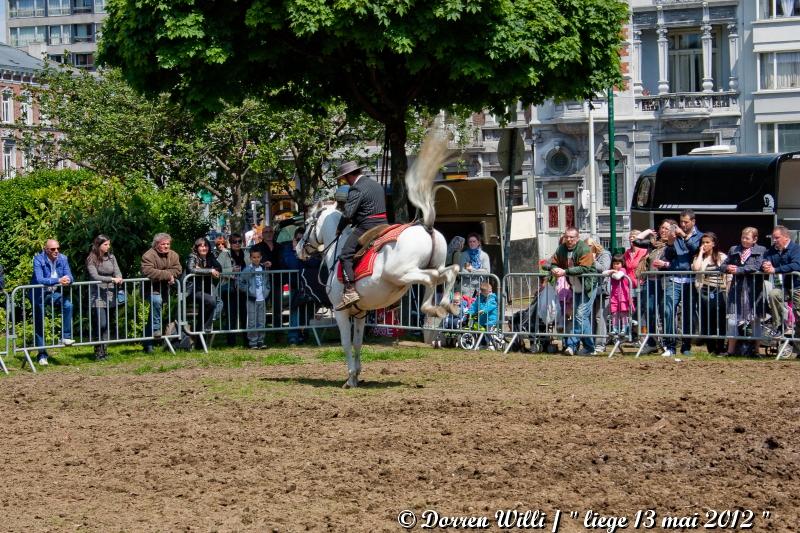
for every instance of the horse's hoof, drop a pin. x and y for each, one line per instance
(440, 311)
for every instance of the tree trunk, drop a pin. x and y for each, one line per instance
(397, 134)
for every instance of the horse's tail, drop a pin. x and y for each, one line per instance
(419, 178)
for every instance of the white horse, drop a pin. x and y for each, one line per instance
(417, 256)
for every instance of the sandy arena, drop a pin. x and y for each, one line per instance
(284, 448)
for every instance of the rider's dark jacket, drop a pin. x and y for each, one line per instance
(364, 200)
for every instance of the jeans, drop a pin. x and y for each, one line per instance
(256, 319)
(654, 297)
(676, 294)
(153, 318)
(582, 319)
(50, 301)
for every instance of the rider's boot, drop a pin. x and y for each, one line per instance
(349, 297)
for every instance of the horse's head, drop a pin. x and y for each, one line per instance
(313, 240)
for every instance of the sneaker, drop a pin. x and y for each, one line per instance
(569, 351)
(598, 351)
(491, 347)
(67, 342)
(584, 351)
(253, 347)
(667, 353)
(262, 346)
(42, 360)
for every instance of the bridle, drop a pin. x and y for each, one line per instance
(311, 230)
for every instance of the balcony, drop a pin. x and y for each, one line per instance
(689, 104)
(83, 39)
(21, 12)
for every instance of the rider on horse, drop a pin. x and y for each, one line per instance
(365, 209)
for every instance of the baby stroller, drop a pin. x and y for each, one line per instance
(493, 339)
(537, 321)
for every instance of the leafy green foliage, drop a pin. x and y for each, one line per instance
(75, 206)
(382, 58)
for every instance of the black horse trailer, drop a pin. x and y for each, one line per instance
(726, 192)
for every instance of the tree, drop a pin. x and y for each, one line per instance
(102, 124)
(383, 58)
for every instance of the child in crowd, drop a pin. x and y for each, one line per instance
(454, 321)
(485, 307)
(620, 300)
(255, 283)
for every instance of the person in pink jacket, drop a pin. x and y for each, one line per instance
(620, 300)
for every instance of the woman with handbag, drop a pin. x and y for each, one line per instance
(103, 298)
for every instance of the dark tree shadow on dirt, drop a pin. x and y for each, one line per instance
(337, 383)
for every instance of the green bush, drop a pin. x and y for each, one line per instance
(74, 206)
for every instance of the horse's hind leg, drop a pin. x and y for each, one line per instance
(450, 274)
(429, 278)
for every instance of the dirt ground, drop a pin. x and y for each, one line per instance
(284, 448)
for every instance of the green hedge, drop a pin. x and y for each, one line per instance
(74, 206)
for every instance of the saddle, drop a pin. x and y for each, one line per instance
(371, 243)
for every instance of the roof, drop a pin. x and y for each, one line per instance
(18, 60)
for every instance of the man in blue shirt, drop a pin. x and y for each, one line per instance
(782, 260)
(678, 289)
(50, 269)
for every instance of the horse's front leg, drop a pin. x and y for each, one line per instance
(358, 339)
(343, 321)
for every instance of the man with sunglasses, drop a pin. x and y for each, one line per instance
(51, 269)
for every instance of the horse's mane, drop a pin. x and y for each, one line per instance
(419, 178)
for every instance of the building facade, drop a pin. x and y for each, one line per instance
(64, 30)
(17, 109)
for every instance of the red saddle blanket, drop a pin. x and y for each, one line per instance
(364, 266)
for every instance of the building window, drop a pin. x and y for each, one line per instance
(685, 62)
(26, 110)
(57, 8)
(28, 35)
(559, 160)
(781, 137)
(99, 6)
(9, 159)
(620, 189)
(83, 33)
(779, 70)
(83, 60)
(82, 6)
(25, 8)
(8, 107)
(60, 35)
(778, 8)
(671, 149)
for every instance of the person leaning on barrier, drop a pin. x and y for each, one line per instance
(652, 288)
(782, 261)
(162, 266)
(602, 262)
(234, 299)
(475, 261)
(678, 291)
(745, 305)
(51, 269)
(572, 259)
(101, 266)
(712, 292)
(200, 290)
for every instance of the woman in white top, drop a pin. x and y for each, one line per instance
(711, 289)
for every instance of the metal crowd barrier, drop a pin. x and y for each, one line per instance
(542, 308)
(454, 329)
(40, 311)
(4, 348)
(720, 309)
(228, 305)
